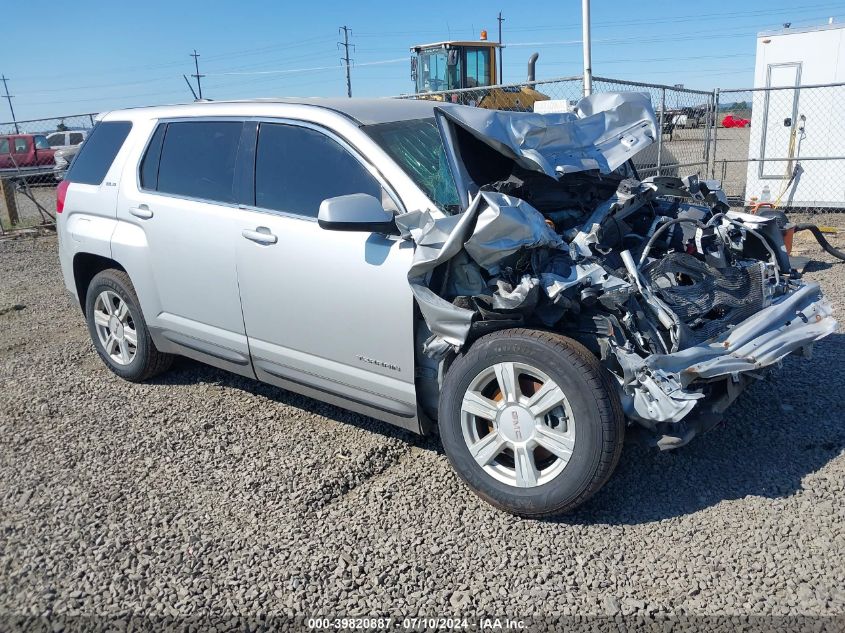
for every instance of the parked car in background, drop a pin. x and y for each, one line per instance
(25, 153)
(732, 121)
(66, 144)
(68, 138)
(64, 157)
(691, 117)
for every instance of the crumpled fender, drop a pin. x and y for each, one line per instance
(494, 227)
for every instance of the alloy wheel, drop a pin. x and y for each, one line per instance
(518, 424)
(115, 327)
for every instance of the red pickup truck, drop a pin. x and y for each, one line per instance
(25, 152)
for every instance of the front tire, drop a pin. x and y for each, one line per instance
(531, 422)
(118, 329)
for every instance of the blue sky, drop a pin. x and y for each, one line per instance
(95, 55)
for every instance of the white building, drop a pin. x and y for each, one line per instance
(795, 124)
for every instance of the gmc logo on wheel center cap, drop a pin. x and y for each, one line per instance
(515, 420)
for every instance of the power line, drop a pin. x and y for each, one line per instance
(711, 34)
(721, 17)
(282, 71)
(196, 57)
(346, 59)
(9, 99)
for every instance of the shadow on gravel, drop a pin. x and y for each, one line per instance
(186, 371)
(814, 266)
(779, 431)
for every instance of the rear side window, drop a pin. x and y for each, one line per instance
(197, 160)
(56, 140)
(21, 145)
(75, 138)
(297, 168)
(149, 164)
(97, 154)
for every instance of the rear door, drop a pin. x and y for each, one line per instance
(182, 205)
(327, 313)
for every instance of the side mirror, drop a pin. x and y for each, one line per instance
(355, 212)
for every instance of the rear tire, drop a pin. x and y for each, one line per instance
(545, 442)
(118, 329)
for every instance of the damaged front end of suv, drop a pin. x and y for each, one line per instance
(683, 300)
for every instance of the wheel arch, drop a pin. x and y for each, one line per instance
(86, 266)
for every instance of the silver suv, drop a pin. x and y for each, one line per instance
(507, 275)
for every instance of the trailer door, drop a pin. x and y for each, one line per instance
(780, 118)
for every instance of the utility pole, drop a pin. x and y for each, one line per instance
(9, 99)
(196, 56)
(501, 48)
(588, 62)
(346, 59)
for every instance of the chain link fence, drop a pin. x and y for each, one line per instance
(782, 146)
(34, 156)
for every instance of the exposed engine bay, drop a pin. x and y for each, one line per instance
(683, 300)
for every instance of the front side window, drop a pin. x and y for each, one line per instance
(75, 138)
(56, 140)
(478, 67)
(41, 142)
(418, 149)
(21, 145)
(198, 159)
(296, 168)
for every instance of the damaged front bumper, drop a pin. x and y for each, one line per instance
(666, 387)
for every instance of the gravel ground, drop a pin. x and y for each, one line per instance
(207, 494)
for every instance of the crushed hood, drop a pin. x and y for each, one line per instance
(602, 133)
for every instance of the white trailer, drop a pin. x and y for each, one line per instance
(797, 138)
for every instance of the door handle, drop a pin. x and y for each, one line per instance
(141, 211)
(261, 235)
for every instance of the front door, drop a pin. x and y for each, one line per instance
(327, 313)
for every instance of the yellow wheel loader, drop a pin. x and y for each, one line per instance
(466, 64)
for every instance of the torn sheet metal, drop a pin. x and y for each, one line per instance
(438, 240)
(603, 132)
(505, 225)
(628, 198)
(657, 386)
(654, 396)
(589, 274)
(786, 326)
(494, 227)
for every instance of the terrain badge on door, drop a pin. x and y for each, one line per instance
(379, 363)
